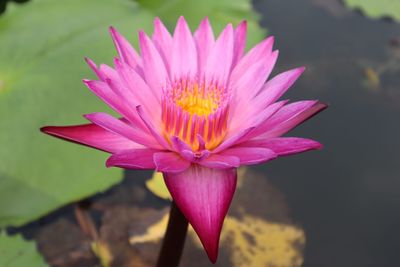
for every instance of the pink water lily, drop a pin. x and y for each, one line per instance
(194, 107)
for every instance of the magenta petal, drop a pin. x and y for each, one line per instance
(203, 195)
(114, 125)
(125, 50)
(204, 38)
(285, 146)
(184, 54)
(220, 161)
(250, 155)
(162, 40)
(170, 162)
(231, 140)
(93, 136)
(240, 42)
(133, 159)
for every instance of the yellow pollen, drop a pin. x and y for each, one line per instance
(196, 102)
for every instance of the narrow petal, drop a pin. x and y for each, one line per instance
(284, 146)
(162, 40)
(205, 41)
(240, 42)
(114, 125)
(170, 162)
(220, 161)
(184, 54)
(219, 62)
(133, 159)
(250, 155)
(284, 121)
(277, 86)
(154, 69)
(204, 196)
(230, 141)
(93, 136)
(108, 96)
(125, 50)
(153, 130)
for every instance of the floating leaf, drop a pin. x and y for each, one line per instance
(377, 9)
(16, 252)
(157, 186)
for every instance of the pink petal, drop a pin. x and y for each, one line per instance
(114, 125)
(137, 92)
(220, 161)
(153, 130)
(93, 136)
(133, 159)
(240, 42)
(203, 195)
(251, 81)
(162, 40)
(257, 54)
(125, 50)
(277, 86)
(186, 151)
(154, 69)
(204, 38)
(250, 155)
(170, 162)
(184, 54)
(284, 146)
(107, 95)
(230, 141)
(219, 62)
(289, 117)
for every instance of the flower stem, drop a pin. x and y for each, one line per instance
(174, 239)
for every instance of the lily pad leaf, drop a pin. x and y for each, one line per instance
(16, 252)
(377, 9)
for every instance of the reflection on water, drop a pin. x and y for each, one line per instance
(346, 197)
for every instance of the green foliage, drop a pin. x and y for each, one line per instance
(16, 252)
(377, 9)
(42, 46)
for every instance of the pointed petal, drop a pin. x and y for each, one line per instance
(250, 155)
(284, 146)
(154, 69)
(153, 130)
(277, 86)
(230, 141)
(203, 195)
(133, 159)
(287, 118)
(184, 54)
(162, 41)
(240, 42)
(116, 126)
(125, 50)
(204, 38)
(219, 62)
(220, 161)
(93, 136)
(170, 162)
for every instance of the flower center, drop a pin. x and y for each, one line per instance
(195, 113)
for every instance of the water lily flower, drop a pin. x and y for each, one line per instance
(195, 108)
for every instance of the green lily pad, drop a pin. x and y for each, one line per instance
(16, 252)
(377, 9)
(42, 46)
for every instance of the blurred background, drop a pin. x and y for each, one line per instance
(336, 207)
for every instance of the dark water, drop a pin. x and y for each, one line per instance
(346, 197)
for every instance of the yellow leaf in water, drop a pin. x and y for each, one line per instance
(157, 186)
(254, 242)
(154, 233)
